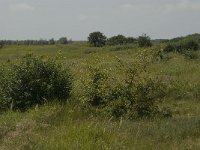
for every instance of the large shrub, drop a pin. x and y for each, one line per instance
(120, 40)
(182, 46)
(134, 95)
(144, 41)
(33, 80)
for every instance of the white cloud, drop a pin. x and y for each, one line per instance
(21, 7)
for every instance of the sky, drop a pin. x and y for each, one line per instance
(75, 19)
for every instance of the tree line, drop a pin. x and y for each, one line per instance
(62, 40)
(98, 39)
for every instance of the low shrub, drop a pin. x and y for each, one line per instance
(33, 80)
(134, 96)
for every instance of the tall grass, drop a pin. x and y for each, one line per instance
(57, 126)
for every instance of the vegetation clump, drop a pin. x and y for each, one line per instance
(134, 96)
(186, 47)
(34, 80)
(97, 39)
(120, 40)
(144, 41)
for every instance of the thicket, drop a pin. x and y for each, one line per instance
(186, 47)
(120, 40)
(33, 80)
(136, 95)
(182, 46)
(144, 41)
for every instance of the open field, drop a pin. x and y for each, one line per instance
(56, 126)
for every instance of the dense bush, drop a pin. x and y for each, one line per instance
(182, 46)
(120, 40)
(191, 45)
(97, 39)
(134, 96)
(144, 41)
(169, 48)
(34, 80)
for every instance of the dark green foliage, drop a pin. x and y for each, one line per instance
(130, 39)
(169, 48)
(97, 39)
(191, 45)
(32, 81)
(120, 40)
(144, 41)
(62, 40)
(184, 47)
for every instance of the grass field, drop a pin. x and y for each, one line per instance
(56, 126)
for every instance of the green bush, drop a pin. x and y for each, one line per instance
(134, 96)
(182, 46)
(120, 40)
(144, 41)
(169, 48)
(34, 80)
(191, 55)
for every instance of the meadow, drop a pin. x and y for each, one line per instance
(69, 126)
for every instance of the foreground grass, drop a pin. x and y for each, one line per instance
(56, 126)
(68, 127)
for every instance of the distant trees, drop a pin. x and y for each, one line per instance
(144, 41)
(120, 40)
(62, 40)
(97, 39)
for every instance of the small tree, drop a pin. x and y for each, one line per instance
(97, 39)
(144, 41)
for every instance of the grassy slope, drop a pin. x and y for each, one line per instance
(67, 127)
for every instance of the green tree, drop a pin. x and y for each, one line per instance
(117, 40)
(144, 41)
(97, 39)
